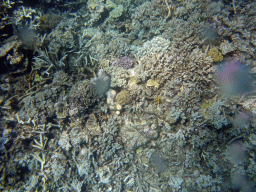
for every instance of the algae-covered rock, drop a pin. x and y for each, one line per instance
(96, 5)
(110, 5)
(123, 98)
(117, 12)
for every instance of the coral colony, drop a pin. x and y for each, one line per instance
(120, 95)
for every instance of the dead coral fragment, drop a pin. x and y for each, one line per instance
(226, 47)
(15, 59)
(96, 5)
(62, 109)
(153, 83)
(123, 98)
(117, 12)
(93, 126)
(49, 21)
(7, 47)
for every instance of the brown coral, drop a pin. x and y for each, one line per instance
(123, 98)
(49, 21)
(8, 46)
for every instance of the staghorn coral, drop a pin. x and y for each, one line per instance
(24, 15)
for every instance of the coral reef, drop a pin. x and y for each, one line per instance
(121, 95)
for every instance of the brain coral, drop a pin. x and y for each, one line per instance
(123, 98)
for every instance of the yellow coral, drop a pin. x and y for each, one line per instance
(215, 54)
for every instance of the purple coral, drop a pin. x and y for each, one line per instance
(124, 62)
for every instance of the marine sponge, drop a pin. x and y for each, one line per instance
(101, 84)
